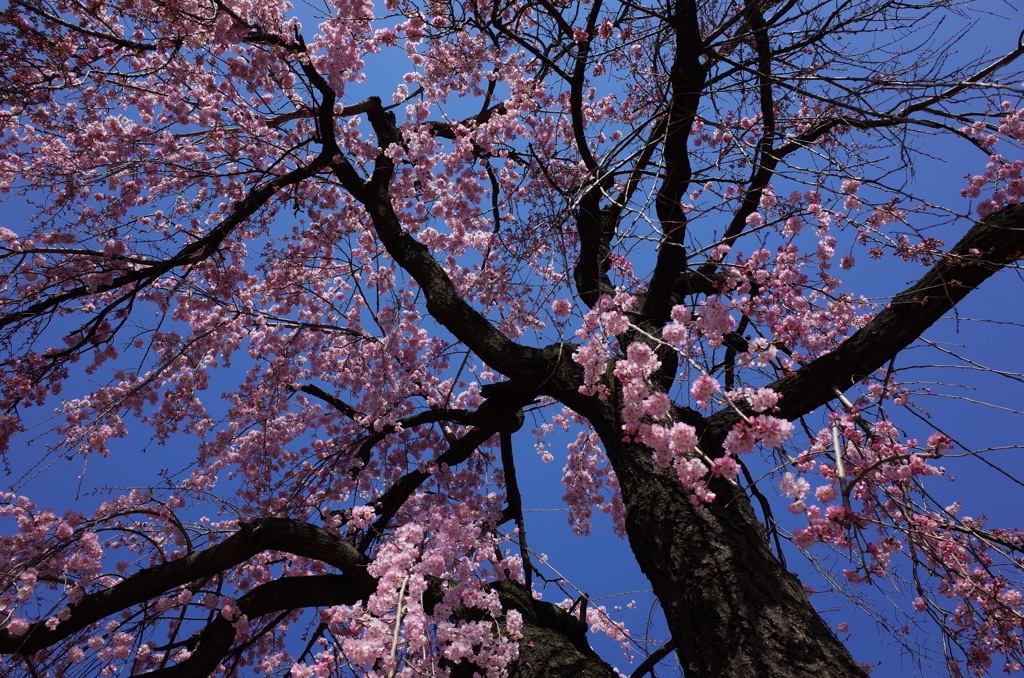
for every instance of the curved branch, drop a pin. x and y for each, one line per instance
(514, 499)
(576, 82)
(442, 299)
(276, 595)
(387, 504)
(647, 665)
(266, 534)
(688, 78)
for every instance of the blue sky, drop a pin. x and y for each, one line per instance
(601, 564)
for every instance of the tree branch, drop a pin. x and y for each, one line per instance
(266, 534)
(442, 299)
(687, 79)
(990, 245)
(274, 596)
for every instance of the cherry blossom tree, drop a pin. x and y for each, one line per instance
(333, 263)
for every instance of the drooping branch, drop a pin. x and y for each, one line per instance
(554, 646)
(289, 593)
(515, 503)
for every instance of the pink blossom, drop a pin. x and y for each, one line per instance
(714, 321)
(703, 388)
(681, 314)
(682, 438)
(657, 405)
(940, 443)
(17, 626)
(725, 467)
(792, 226)
(850, 186)
(762, 399)
(362, 516)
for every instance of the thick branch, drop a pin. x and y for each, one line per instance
(687, 79)
(289, 593)
(732, 608)
(994, 242)
(579, 76)
(265, 534)
(443, 301)
(596, 230)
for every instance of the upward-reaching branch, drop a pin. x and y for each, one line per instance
(443, 301)
(687, 81)
(990, 245)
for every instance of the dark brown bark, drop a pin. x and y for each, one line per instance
(687, 83)
(554, 643)
(731, 606)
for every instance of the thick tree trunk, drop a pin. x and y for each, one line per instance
(731, 606)
(554, 642)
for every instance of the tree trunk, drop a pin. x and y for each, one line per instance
(731, 606)
(554, 642)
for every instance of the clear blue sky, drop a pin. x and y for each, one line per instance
(602, 564)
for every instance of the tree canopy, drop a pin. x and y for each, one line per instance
(304, 280)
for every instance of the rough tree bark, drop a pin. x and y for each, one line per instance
(732, 607)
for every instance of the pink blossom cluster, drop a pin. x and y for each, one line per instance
(633, 373)
(1003, 175)
(607, 320)
(777, 291)
(588, 480)
(872, 507)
